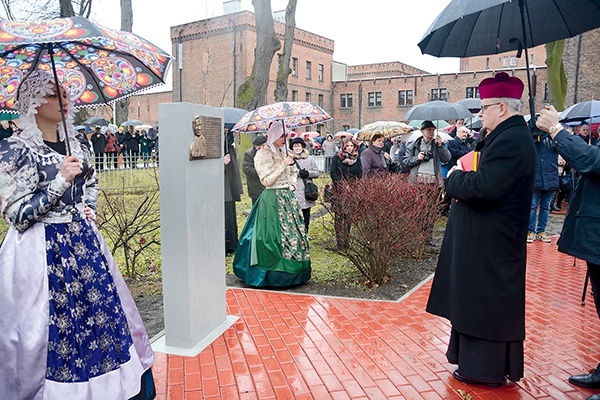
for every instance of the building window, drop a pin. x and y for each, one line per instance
(546, 93)
(505, 61)
(320, 101)
(531, 59)
(308, 67)
(279, 56)
(346, 100)
(294, 66)
(487, 63)
(308, 96)
(443, 94)
(294, 95)
(472, 92)
(320, 72)
(513, 61)
(435, 94)
(405, 97)
(374, 99)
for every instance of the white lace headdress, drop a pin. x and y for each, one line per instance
(275, 132)
(31, 95)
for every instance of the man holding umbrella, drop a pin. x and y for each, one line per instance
(479, 283)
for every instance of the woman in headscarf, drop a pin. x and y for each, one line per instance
(308, 170)
(345, 167)
(69, 325)
(273, 246)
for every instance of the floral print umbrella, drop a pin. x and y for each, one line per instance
(293, 113)
(98, 65)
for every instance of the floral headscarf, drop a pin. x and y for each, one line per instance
(343, 154)
(30, 97)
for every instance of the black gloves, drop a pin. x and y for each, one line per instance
(303, 173)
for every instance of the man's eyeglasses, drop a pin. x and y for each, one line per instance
(486, 106)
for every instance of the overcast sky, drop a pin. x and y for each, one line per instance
(364, 31)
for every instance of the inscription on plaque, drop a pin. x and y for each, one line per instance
(207, 137)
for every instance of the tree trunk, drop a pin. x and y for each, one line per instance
(557, 80)
(122, 106)
(85, 8)
(253, 92)
(281, 88)
(66, 9)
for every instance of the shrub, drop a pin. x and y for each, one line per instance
(381, 219)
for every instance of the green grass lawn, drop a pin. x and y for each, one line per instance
(327, 266)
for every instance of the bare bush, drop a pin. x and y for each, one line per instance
(131, 222)
(379, 220)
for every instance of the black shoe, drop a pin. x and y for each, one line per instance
(555, 207)
(590, 380)
(475, 381)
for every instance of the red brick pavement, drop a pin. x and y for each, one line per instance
(290, 346)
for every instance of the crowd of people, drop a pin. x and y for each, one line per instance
(89, 336)
(126, 146)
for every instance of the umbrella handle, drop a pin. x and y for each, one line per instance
(60, 104)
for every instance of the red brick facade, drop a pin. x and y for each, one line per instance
(218, 54)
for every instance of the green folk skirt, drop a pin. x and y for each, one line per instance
(273, 246)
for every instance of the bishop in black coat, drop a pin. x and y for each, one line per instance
(479, 283)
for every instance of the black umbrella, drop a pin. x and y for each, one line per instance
(97, 121)
(587, 110)
(478, 27)
(232, 115)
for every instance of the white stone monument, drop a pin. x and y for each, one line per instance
(192, 235)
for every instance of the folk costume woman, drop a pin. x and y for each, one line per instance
(70, 328)
(273, 246)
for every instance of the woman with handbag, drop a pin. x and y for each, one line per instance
(308, 170)
(273, 246)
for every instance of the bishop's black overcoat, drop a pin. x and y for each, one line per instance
(479, 284)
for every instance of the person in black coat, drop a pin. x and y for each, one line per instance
(345, 166)
(580, 236)
(255, 188)
(479, 283)
(233, 192)
(98, 143)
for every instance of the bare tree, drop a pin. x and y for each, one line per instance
(66, 9)
(253, 92)
(122, 106)
(44, 9)
(281, 89)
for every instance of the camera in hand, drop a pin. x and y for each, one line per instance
(427, 155)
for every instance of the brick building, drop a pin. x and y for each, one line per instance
(214, 56)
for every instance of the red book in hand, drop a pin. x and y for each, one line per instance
(470, 161)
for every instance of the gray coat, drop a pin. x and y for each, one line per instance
(310, 165)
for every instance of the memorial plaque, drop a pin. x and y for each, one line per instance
(207, 137)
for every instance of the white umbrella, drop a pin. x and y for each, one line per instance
(436, 110)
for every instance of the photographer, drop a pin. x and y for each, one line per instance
(425, 155)
(460, 145)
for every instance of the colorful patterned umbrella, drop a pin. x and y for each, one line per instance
(98, 65)
(293, 113)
